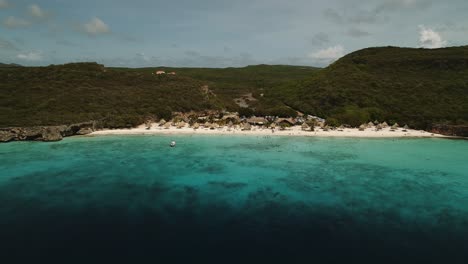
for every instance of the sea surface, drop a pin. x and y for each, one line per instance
(224, 199)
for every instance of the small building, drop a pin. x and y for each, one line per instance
(257, 121)
(316, 118)
(285, 122)
(160, 72)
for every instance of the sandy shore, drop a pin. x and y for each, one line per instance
(257, 131)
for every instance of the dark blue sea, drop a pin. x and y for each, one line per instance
(224, 199)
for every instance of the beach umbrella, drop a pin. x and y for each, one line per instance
(378, 127)
(162, 122)
(362, 127)
(395, 126)
(167, 125)
(181, 124)
(207, 124)
(370, 124)
(196, 126)
(148, 124)
(305, 127)
(384, 124)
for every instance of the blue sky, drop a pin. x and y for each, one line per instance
(218, 33)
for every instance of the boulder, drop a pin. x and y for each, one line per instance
(52, 133)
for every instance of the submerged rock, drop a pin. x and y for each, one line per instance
(45, 133)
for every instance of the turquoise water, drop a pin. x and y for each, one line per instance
(223, 198)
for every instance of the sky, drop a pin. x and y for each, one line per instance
(220, 33)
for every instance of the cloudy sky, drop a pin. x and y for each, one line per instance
(220, 33)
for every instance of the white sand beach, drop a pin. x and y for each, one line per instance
(258, 131)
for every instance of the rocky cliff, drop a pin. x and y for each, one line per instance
(451, 130)
(45, 133)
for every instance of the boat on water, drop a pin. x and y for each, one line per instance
(173, 144)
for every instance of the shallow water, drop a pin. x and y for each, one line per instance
(234, 199)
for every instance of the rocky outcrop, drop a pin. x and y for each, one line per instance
(45, 133)
(451, 130)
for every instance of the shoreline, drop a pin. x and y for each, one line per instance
(257, 131)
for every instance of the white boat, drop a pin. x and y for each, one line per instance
(173, 144)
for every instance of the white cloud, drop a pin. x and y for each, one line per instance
(329, 54)
(4, 4)
(13, 22)
(30, 56)
(430, 39)
(96, 27)
(37, 12)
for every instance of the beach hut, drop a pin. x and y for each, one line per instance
(167, 125)
(384, 125)
(395, 126)
(378, 127)
(231, 118)
(162, 122)
(148, 124)
(370, 125)
(181, 124)
(362, 127)
(405, 128)
(207, 124)
(285, 122)
(257, 121)
(247, 126)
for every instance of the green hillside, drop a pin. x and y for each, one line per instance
(121, 97)
(419, 87)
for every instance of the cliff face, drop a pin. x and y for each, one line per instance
(451, 130)
(46, 133)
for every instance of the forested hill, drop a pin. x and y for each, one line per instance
(122, 97)
(419, 87)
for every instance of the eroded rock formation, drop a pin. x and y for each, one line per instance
(451, 130)
(45, 133)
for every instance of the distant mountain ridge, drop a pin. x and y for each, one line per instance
(5, 65)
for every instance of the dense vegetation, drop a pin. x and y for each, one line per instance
(126, 97)
(418, 87)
